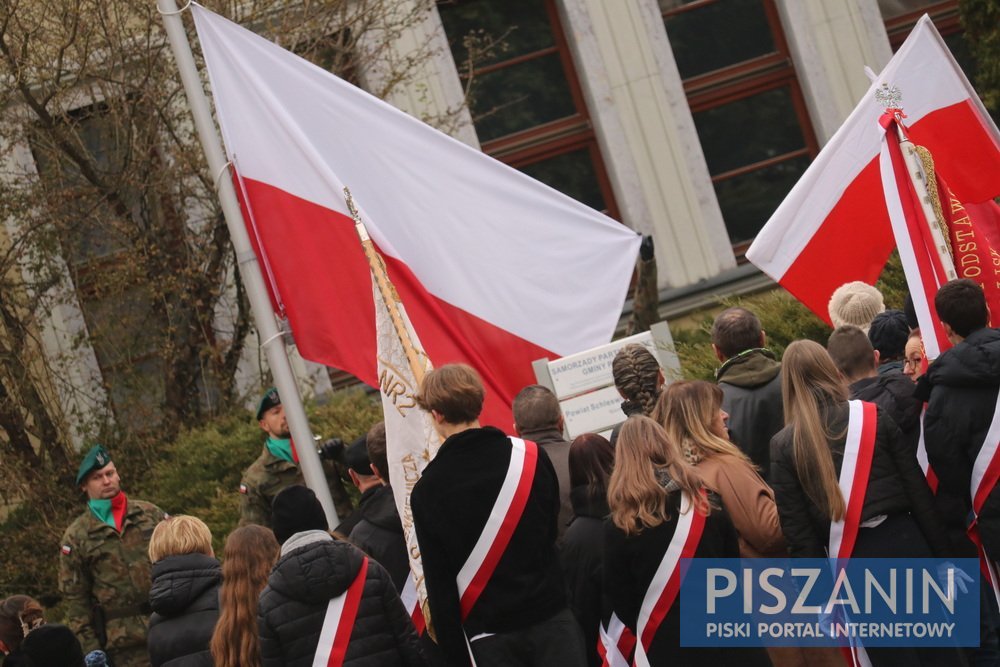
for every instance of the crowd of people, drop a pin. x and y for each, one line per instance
(540, 551)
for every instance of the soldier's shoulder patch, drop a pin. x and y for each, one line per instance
(66, 550)
(243, 489)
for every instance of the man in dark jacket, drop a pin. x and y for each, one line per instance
(379, 532)
(960, 388)
(314, 569)
(359, 469)
(852, 352)
(750, 379)
(537, 417)
(520, 615)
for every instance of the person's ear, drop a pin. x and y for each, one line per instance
(561, 424)
(718, 353)
(878, 357)
(517, 431)
(354, 477)
(763, 339)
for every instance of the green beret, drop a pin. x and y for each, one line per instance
(95, 459)
(269, 400)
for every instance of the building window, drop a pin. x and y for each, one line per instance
(524, 96)
(901, 15)
(746, 102)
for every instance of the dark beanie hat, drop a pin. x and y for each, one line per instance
(888, 334)
(294, 510)
(52, 644)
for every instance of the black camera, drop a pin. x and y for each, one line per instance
(331, 450)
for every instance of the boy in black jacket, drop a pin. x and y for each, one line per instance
(520, 617)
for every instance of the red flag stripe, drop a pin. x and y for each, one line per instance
(350, 612)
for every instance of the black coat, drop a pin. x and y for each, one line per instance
(894, 394)
(293, 606)
(751, 394)
(896, 485)
(379, 534)
(629, 565)
(582, 557)
(451, 504)
(185, 601)
(960, 388)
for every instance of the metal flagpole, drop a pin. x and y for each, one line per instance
(267, 328)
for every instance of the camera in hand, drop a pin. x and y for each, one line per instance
(331, 449)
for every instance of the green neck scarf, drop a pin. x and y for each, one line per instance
(101, 508)
(281, 448)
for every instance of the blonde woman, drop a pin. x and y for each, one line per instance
(184, 594)
(692, 414)
(656, 500)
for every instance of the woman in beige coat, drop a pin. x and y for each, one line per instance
(691, 412)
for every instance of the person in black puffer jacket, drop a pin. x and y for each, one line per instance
(184, 594)
(312, 570)
(591, 458)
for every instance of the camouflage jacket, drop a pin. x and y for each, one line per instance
(268, 475)
(104, 578)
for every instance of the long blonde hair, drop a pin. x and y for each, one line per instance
(686, 409)
(809, 378)
(248, 557)
(636, 497)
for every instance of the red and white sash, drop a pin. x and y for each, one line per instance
(339, 622)
(666, 581)
(854, 474)
(500, 525)
(615, 643)
(412, 603)
(925, 464)
(985, 475)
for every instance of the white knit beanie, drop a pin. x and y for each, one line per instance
(855, 303)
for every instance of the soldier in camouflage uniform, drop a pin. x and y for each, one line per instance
(277, 468)
(104, 568)
(645, 297)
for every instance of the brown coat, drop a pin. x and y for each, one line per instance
(749, 501)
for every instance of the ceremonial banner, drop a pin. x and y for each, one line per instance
(496, 268)
(411, 441)
(834, 225)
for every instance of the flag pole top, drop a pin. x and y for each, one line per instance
(352, 207)
(183, 9)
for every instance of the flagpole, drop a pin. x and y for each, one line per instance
(416, 358)
(918, 179)
(260, 303)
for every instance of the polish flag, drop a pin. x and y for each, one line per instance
(495, 268)
(834, 226)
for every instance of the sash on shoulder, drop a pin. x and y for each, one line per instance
(339, 622)
(925, 464)
(859, 449)
(615, 643)
(666, 581)
(985, 475)
(412, 603)
(500, 525)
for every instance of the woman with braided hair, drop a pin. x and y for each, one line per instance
(639, 379)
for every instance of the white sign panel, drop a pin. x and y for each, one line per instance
(590, 369)
(593, 412)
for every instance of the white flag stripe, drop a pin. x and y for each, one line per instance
(986, 452)
(855, 422)
(422, 194)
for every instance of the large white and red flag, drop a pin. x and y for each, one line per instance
(834, 226)
(496, 269)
